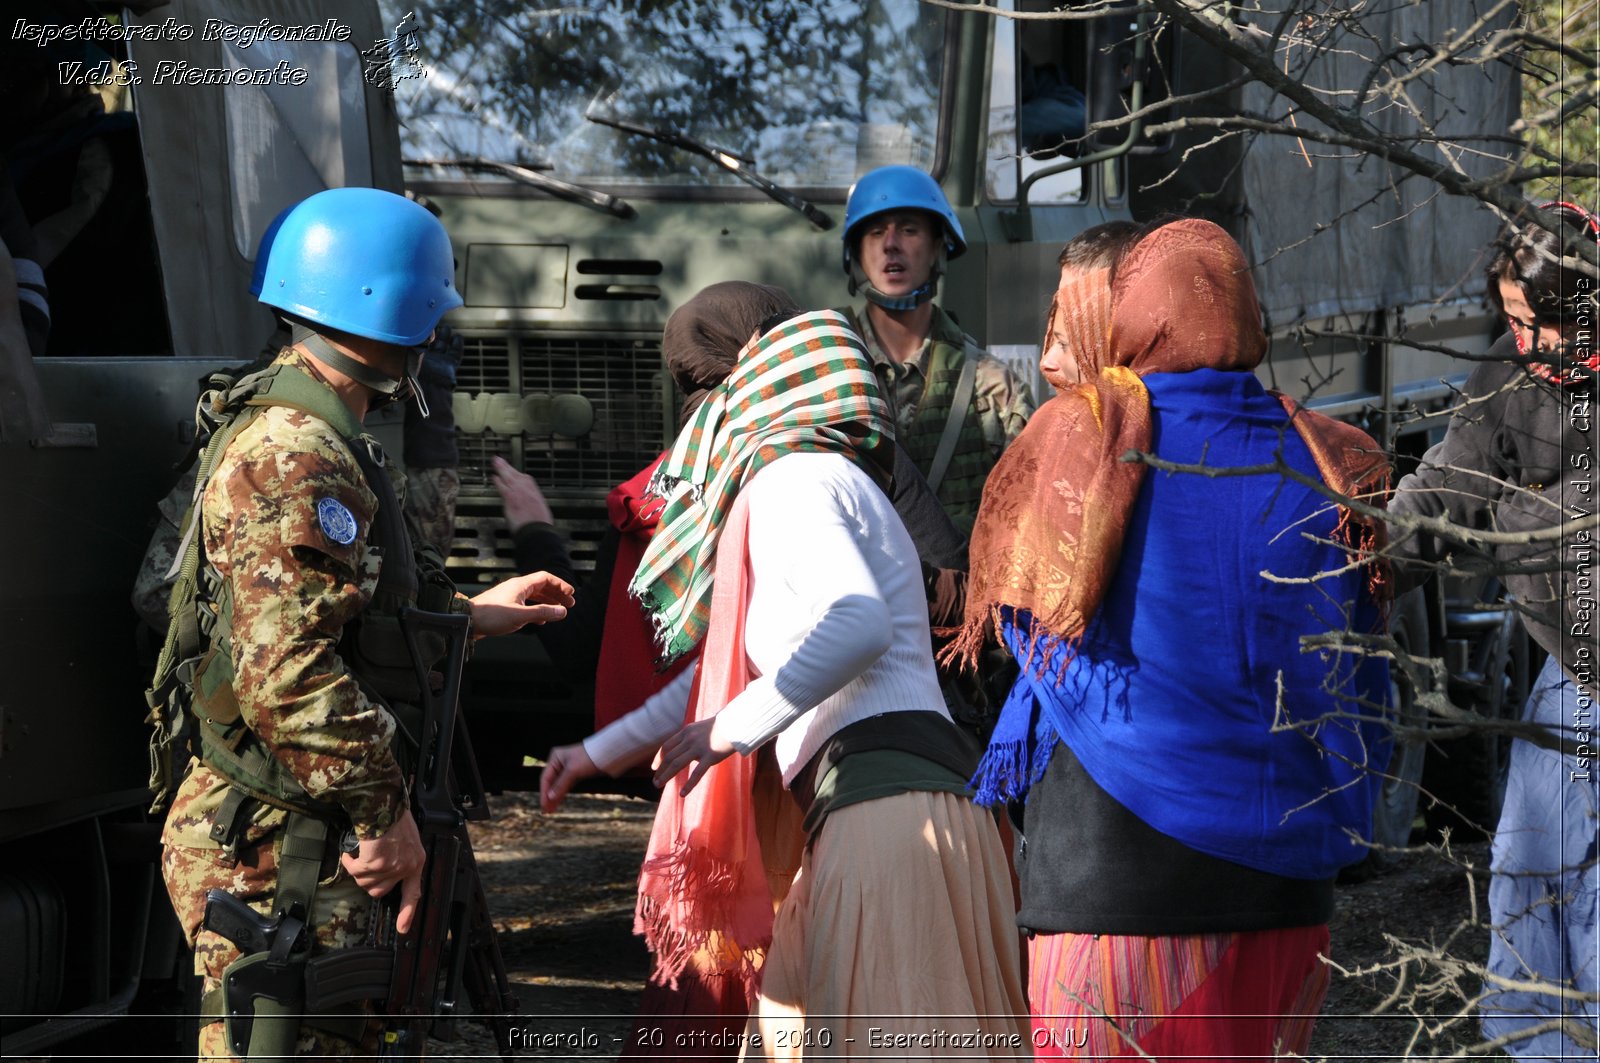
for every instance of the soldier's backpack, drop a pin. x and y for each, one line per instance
(192, 670)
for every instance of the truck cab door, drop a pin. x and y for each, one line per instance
(223, 159)
(219, 159)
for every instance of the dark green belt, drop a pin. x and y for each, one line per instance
(892, 753)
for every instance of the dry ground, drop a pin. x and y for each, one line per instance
(562, 890)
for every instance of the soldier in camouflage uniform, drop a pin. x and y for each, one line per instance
(955, 407)
(288, 519)
(898, 232)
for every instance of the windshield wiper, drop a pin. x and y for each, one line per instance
(555, 186)
(734, 164)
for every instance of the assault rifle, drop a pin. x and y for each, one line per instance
(420, 975)
(452, 942)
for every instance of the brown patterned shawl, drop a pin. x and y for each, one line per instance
(1050, 528)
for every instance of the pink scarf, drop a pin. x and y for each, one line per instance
(704, 885)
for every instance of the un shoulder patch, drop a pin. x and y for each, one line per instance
(338, 523)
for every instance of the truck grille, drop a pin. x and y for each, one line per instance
(623, 381)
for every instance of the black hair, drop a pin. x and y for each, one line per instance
(774, 320)
(1139, 232)
(1099, 246)
(1530, 257)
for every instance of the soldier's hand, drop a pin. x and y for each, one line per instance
(535, 598)
(395, 858)
(566, 766)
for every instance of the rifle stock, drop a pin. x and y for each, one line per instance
(451, 944)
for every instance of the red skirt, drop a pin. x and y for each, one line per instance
(703, 1018)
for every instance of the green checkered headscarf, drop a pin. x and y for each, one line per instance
(804, 386)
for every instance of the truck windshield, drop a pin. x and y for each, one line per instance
(811, 93)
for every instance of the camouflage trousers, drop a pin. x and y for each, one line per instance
(340, 914)
(431, 503)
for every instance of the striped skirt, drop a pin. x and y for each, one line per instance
(1250, 995)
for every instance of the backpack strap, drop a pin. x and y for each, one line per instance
(169, 697)
(286, 385)
(959, 401)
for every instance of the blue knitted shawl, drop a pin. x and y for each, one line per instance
(1189, 698)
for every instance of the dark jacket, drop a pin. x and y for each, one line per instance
(1518, 453)
(574, 644)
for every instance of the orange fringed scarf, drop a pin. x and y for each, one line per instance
(1354, 467)
(703, 888)
(1050, 528)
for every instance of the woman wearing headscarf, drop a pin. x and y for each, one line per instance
(610, 642)
(606, 638)
(1194, 779)
(700, 1014)
(814, 638)
(1079, 320)
(1519, 457)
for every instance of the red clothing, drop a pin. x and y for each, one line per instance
(627, 674)
(1251, 995)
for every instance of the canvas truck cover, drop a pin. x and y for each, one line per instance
(1403, 242)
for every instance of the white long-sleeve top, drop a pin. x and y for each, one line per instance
(836, 627)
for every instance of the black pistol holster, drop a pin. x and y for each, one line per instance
(263, 1000)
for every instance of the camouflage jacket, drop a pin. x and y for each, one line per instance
(285, 519)
(1002, 402)
(920, 392)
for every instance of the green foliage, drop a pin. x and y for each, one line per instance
(1560, 107)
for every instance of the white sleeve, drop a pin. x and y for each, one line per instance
(634, 737)
(807, 562)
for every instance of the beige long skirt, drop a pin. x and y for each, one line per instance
(898, 940)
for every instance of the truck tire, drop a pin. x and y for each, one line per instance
(1395, 809)
(1466, 777)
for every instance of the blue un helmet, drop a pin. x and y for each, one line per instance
(362, 261)
(258, 268)
(897, 188)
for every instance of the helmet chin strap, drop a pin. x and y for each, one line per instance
(387, 389)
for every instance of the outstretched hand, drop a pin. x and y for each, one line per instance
(696, 744)
(565, 767)
(534, 598)
(520, 496)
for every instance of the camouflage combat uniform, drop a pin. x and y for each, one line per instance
(431, 495)
(274, 512)
(920, 391)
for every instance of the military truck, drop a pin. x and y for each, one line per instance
(595, 165)
(598, 164)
